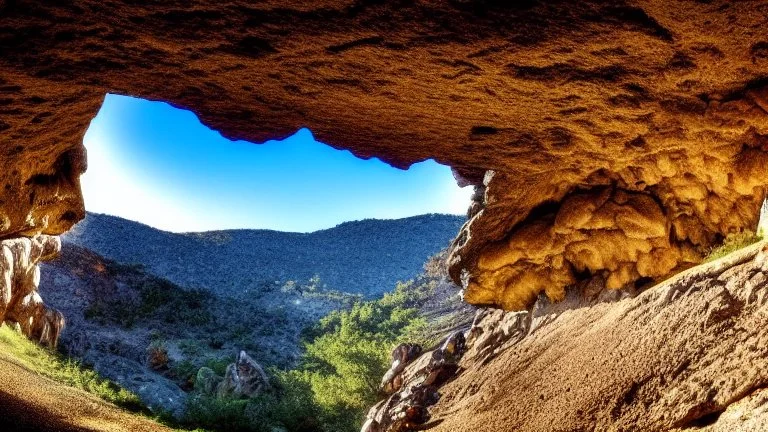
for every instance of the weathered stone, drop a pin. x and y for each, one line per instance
(244, 378)
(253, 379)
(544, 105)
(402, 355)
(406, 408)
(20, 302)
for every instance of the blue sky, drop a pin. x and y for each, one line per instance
(156, 164)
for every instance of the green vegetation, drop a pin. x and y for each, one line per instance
(65, 371)
(732, 243)
(347, 353)
(158, 298)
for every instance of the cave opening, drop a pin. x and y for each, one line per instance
(196, 250)
(157, 164)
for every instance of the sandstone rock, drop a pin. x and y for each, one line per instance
(688, 354)
(20, 302)
(418, 382)
(551, 105)
(402, 355)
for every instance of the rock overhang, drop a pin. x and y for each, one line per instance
(602, 135)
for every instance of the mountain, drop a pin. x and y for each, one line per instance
(363, 257)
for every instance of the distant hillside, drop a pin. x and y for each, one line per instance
(366, 257)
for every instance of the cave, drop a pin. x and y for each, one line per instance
(622, 139)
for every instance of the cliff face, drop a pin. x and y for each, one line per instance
(613, 138)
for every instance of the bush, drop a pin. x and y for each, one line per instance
(347, 353)
(732, 243)
(289, 405)
(214, 413)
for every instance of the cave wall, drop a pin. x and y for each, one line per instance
(601, 135)
(20, 304)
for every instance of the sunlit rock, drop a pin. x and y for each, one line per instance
(20, 302)
(412, 385)
(534, 103)
(402, 355)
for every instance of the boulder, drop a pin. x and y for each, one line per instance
(402, 355)
(412, 385)
(244, 378)
(20, 302)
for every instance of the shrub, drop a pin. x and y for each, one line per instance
(732, 243)
(157, 356)
(69, 372)
(214, 413)
(347, 353)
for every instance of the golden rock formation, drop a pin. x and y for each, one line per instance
(543, 105)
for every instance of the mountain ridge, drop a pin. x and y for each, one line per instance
(364, 257)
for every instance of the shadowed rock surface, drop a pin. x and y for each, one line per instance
(541, 104)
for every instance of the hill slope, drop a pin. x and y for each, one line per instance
(366, 257)
(32, 402)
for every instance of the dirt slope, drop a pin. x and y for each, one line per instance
(29, 402)
(689, 353)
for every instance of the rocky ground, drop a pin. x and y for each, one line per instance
(32, 403)
(687, 354)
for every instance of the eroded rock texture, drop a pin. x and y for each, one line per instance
(687, 355)
(20, 303)
(651, 112)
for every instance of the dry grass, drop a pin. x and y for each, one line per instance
(732, 243)
(65, 371)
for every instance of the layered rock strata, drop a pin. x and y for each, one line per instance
(542, 105)
(20, 303)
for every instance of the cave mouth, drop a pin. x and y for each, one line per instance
(157, 164)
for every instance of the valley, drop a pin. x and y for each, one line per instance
(122, 315)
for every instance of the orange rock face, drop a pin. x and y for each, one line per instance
(621, 138)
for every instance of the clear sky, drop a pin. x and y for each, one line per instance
(156, 164)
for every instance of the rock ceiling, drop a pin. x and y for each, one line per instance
(621, 138)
